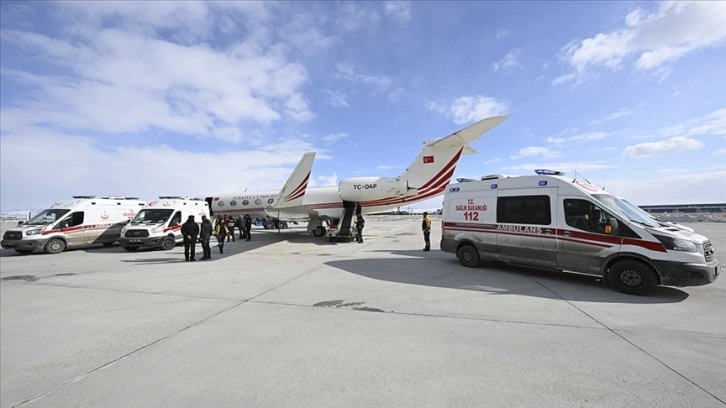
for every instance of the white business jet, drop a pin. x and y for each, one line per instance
(426, 177)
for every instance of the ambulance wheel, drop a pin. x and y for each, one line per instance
(632, 277)
(468, 256)
(24, 251)
(168, 243)
(54, 246)
(131, 249)
(319, 231)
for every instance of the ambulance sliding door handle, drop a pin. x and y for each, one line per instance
(567, 233)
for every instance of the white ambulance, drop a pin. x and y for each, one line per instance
(158, 224)
(554, 222)
(84, 220)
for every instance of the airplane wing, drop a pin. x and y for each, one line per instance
(293, 191)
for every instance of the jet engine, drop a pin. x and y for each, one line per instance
(372, 188)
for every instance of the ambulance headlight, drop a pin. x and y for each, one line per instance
(36, 231)
(677, 244)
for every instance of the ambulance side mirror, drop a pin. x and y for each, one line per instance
(21, 222)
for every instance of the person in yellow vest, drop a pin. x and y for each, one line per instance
(426, 227)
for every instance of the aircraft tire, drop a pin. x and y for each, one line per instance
(283, 224)
(269, 224)
(319, 231)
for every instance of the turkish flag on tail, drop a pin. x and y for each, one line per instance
(428, 159)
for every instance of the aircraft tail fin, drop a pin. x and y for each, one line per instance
(435, 165)
(293, 190)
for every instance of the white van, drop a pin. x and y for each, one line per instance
(550, 221)
(158, 224)
(84, 220)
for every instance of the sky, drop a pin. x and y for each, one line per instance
(199, 98)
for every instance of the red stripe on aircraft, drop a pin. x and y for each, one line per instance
(300, 188)
(444, 169)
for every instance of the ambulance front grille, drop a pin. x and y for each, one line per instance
(708, 251)
(13, 235)
(137, 233)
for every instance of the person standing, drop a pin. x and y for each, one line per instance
(359, 224)
(205, 235)
(358, 210)
(190, 231)
(220, 231)
(426, 227)
(240, 223)
(248, 226)
(229, 220)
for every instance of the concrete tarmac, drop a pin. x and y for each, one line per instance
(288, 320)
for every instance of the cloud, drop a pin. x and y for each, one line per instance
(534, 151)
(720, 151)
(652, 40)
(510, 62)
(381, 84)
(567, 167)
(336, 98)
(672, 186)
(334, 137)
(99, 77)
(66, 164)
(651, 149)
(467, 109)
(585, 137)
(712, 124)
(398, 11)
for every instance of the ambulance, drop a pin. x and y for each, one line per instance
(84, 220)
(555, 222)
(158, 224)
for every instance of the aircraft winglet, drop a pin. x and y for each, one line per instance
(293, 190)
(469, 134)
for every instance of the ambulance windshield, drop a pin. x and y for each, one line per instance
(626, 210)
(47, 216)
(152, 216)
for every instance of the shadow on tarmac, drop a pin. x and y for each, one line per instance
(439, 269)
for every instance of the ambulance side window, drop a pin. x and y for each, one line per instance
(587, 216)
(524, 210)
(72, 220)
(176, 220)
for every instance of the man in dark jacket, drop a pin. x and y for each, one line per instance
(359, 224)
(190, 231)
(240, 223)
(205, 235)
(248, 226)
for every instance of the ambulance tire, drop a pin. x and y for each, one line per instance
(632, 277)
(168, 243)
(319, 231)
(131, 248)
(54, 246)
(468, 256)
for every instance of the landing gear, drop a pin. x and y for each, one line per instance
(319, 231)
